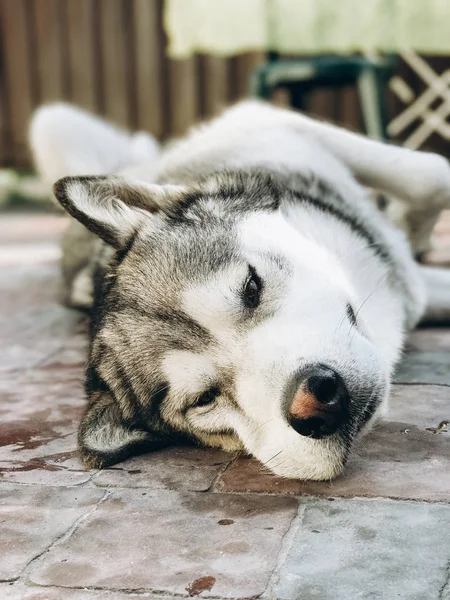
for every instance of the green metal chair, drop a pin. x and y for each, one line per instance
(302, 75)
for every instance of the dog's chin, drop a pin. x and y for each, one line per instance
(288, 454)
(324, 461)
(294, 456)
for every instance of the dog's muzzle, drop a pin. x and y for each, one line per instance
(317, 402)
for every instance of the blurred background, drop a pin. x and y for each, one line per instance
(379, 66)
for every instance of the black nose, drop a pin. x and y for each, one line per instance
(319, 404)
(325, 384)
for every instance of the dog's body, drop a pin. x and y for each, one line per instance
(247, 293)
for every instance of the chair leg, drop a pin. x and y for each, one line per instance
(299, 97)
(370, 99)
(257, 86)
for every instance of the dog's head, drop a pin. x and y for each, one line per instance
(219, 323)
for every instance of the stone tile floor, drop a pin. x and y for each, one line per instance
(186, 522)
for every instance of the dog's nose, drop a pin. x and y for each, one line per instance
(320, 403)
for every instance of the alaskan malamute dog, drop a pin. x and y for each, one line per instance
(246, 293)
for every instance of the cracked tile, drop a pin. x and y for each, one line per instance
(32, 517)
(166, 541)
(179, 468)
(445, 591)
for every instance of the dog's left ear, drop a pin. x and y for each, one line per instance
(113, 207)
(105, 438)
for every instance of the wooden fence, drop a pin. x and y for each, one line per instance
(108, 56)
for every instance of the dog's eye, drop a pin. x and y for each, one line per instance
(207, 397)
(252, 290)
(351, 315)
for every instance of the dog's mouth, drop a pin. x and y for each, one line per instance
(312, 448)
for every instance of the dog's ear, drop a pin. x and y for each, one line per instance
(105, 438)
(113, 207)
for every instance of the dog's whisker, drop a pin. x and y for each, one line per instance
(258, 427)
(270, 459)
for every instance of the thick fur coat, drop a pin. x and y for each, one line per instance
(245, 291)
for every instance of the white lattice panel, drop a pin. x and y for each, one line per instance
(426, 113)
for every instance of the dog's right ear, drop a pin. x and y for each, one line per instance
(104, 438)
(113, 207)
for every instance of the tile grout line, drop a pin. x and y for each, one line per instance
(132, 592)
(446, 585)
(286, 545)
(74, 486)
(23, 577)
(89, 483)
(213, 487)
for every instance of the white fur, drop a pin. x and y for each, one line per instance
(95, 148)
(420, 180)
(111, 437)
(308, 325)
(187, 372)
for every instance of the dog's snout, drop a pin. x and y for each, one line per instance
(320, 403)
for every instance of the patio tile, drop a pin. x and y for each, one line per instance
(27, 228)
(179, 468)
(429, 366)
(399, 458)
(33, 324)
(427, 357)
(33, 517)
(155, 542)
(364, 549)
(171, 543)
(429, 338)
(40, 410)
(74, 351)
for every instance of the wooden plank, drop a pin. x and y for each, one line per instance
(215, 90)
(184, 98)
(281, 97)
(49, 48)
(323, 103)
(82, 54)
(5, 142)
(349, 108)
(149, 66)
(115, 69)
(243, 67)
(16, 56)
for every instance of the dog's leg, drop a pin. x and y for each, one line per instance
(420, 178)
(68, 141)
(437, 282)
